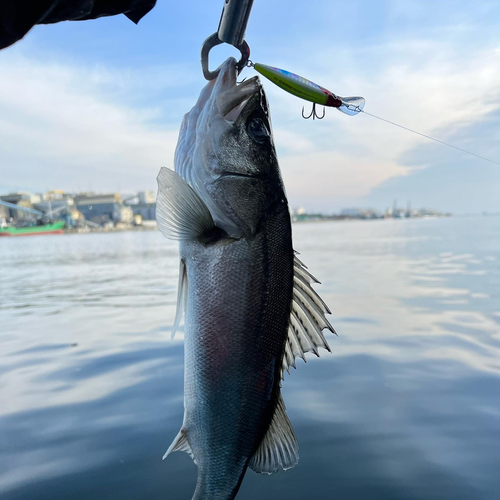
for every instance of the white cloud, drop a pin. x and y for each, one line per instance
(63, 126)
(434, 88)
(292, 142)
(315, 175)
(60, 127)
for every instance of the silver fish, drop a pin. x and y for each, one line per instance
(248, 301)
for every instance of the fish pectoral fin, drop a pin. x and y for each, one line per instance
(180, 443)
(181, 214)
(279, 448)
(307, 318)
(182, 293)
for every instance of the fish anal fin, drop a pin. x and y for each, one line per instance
(279, 448)
(181, 297)
(180, 443)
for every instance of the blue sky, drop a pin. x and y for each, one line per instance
(97, 105)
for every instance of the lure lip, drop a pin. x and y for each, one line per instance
(352, 106)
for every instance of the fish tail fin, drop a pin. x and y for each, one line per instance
(226, 488)
(181, 214)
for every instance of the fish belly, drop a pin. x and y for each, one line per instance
(239, 298)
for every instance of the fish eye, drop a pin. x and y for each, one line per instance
(257, 129)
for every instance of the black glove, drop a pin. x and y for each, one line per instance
(17, 17)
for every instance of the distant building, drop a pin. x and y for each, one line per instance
(126, 215)
(15, 198)
(408, 210)
(60, 206)
(103, 208)
(360, 213)
(351, 212)
(55, 194)
(22, 200)
(146, 197)
(147, 211)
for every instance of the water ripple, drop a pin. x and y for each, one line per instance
(407, 406)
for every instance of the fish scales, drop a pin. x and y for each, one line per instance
(237, 318)
(227, 205)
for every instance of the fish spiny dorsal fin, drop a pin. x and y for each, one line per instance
(180, 443)
(307, 318)
(181, 297)
(181, 214)
(279, 448)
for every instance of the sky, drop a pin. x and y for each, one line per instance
(97, 105)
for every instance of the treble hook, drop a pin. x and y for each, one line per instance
(313, 114)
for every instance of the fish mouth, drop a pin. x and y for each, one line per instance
(258, 176)
(232, 102)
(233, 96)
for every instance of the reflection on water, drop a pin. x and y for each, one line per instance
(406, 407)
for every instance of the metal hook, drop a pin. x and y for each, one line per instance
(231, 30)
(313, 114)
(213, 41)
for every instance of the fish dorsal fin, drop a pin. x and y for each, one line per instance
(181, 297)
(181, 214)
(307, 319)
(279, 448)
(180, 443)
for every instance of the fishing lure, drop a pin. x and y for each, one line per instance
(232, 30)
(310, 91)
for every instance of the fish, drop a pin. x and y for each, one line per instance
(247, 300)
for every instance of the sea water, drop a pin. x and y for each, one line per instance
(406, 407)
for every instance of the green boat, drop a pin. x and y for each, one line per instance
(53, 228)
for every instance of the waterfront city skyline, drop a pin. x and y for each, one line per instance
(96, 106)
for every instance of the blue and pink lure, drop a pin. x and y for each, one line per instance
(310, 91)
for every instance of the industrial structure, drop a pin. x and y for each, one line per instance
(104, 208)
(26, 213)
(145, 206)
(22, 210)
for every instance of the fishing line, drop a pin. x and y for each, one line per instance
(429, 137)
(307, 90)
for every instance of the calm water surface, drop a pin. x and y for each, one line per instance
(406, 407)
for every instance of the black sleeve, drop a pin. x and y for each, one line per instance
(17, 17)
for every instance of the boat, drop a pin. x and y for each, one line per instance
(51, 228)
